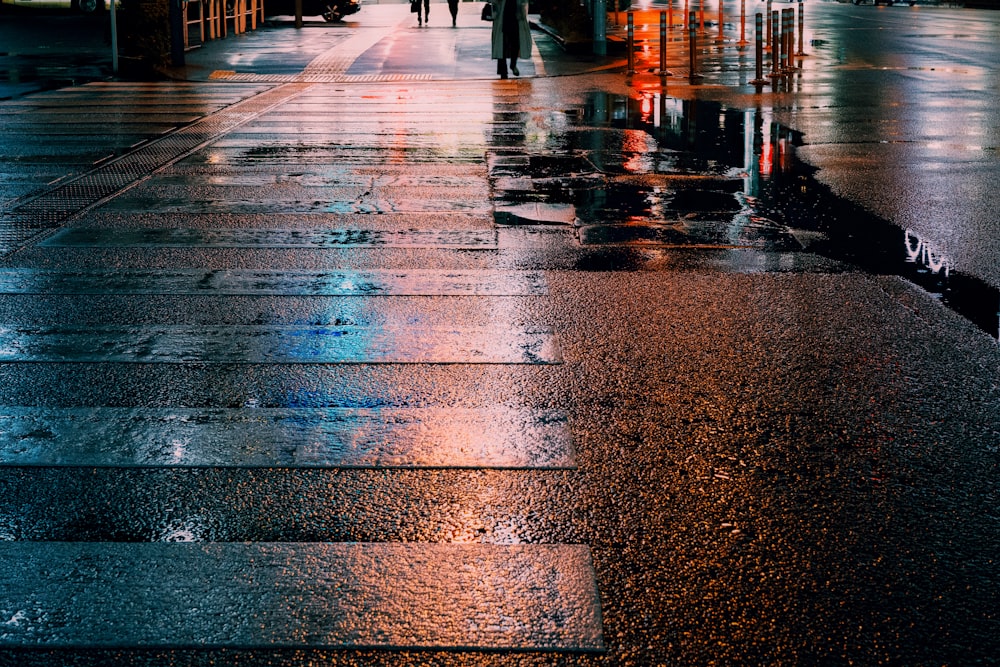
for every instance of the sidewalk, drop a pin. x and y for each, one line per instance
(341, 350)
(324, 51)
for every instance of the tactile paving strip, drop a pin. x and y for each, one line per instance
(27, 220)
(317, 77)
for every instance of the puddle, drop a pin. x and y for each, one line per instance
(782, 188)
(654, 170)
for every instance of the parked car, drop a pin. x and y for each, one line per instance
(330, 10)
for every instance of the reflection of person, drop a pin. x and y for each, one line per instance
(511, 34)
(453, 8)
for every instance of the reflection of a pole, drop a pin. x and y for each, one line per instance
(758, 146)
(630, 42)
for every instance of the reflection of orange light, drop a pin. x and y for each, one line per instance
(765, 160)
(646, 106)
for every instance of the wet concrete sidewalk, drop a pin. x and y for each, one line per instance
(324, 353)
(382, 42)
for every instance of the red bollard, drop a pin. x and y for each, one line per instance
(743, 23)
(721, 22)
(767, 18)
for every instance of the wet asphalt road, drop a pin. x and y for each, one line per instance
(321, 356)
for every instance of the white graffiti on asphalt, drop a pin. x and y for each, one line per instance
(920, 251)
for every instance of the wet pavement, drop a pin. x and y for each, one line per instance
(329, 347)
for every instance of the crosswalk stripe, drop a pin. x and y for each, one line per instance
(81, 237)
(263, 344)
(302, 595)
(286, 437)
(413, 282)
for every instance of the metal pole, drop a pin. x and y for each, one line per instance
(176, 17)
(601, 27)
(692, 48)
(670, 14)
(767, 15)
(759, 70)
(802, 44)
(743, 23)
(114, 38)
(784, 39)
(721, 21)
(630, 42)
(701, 16)
(663, 43)
(775, 45)
(791, 38)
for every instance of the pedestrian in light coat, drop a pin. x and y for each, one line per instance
(511, 34)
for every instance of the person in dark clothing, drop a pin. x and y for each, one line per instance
(453, 8)
(511, 38)
(427, 11)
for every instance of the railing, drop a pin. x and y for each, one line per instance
(206, 20)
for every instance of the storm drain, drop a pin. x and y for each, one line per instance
(49, 210)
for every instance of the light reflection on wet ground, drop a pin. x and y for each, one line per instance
(717, 177)
(717, 440)
(303, 437)
(523, 597)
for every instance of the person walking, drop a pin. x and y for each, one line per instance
(427, 10)
(511, 38)
(453, 8)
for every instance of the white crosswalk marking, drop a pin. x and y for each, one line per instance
(300, 438)
(398, 596)
(330, 234)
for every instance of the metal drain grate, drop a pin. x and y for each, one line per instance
(25, 221)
